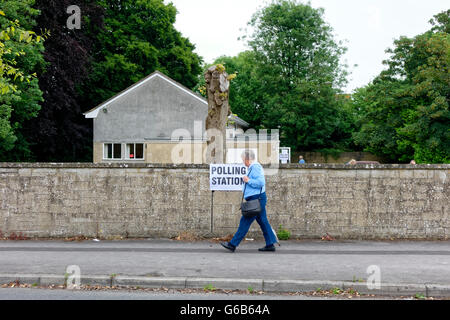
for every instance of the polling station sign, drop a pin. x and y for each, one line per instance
(227, 177)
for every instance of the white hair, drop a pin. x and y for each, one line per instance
(248, 154)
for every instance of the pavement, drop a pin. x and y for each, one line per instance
(404, 268)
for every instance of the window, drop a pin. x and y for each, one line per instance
(112, 151)
(135, 151)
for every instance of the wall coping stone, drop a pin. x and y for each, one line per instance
(117, 165)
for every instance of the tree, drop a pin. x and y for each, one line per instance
(406, 108)
(120, 42)
(427, 126)
(290, 78)
(139, 37)
(60, 132)
(377, 132)
(244, 90)
(295, 42)
(20, 59)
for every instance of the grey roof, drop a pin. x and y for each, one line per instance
(93, 112)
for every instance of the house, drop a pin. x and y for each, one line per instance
(149, 120)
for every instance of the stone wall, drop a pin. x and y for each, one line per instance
(139, 200)
(344, 157)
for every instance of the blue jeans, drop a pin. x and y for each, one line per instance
(261, 218)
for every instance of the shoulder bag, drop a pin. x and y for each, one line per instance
(251, 208)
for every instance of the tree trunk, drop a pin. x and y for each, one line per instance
(217, 88)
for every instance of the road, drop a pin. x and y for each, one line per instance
(399, 262)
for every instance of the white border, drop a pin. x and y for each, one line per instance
(113, 159)
(143, 151)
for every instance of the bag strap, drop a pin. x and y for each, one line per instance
(245, 188)
(243, 193)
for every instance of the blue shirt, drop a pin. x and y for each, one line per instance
(302, 161)
(257, 180)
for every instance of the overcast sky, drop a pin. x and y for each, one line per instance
(367, 26)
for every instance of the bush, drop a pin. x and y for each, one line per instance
(283, 234)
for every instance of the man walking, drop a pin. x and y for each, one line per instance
(255, 188)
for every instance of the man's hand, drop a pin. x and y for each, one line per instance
(246, 179)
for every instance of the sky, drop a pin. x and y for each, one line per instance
(367, 27)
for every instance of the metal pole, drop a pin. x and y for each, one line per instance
(212, 211)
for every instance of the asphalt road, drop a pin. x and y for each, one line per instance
(399, 262)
